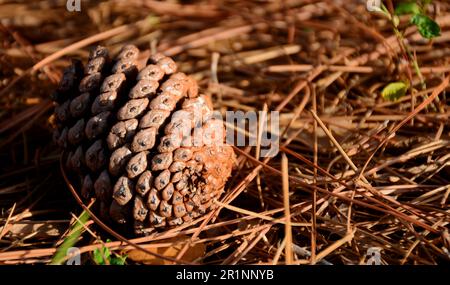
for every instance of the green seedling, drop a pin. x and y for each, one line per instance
(103, 256)
(427, 28)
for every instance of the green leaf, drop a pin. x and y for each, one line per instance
(118, 260)
(98, 256)
(407, 8)
(107, 253)
(394, 91)
(427, 27)
(102, 255)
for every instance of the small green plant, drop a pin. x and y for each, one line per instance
(394, 91)
(103, 256)
(426, 26)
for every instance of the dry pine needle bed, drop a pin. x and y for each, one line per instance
(355, 171)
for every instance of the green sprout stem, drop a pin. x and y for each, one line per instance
(405, 48)
(411, 57)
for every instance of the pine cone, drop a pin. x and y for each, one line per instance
(142, 142)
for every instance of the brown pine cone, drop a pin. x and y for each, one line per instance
(143, 142)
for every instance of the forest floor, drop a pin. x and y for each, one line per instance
(362, 173)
